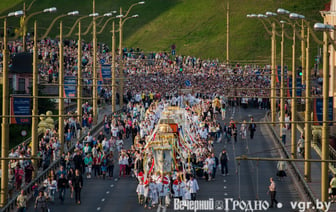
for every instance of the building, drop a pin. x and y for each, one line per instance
(329, 16)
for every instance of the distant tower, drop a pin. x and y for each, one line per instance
(329, 16)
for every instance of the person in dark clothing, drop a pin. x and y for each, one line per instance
(101, 136)
(41, 202)
(252, 128)
(62, 184)
(134, 132)
(78, 161)
(223, 157)
(77, 184)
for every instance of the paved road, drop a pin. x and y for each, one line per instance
(247, 181)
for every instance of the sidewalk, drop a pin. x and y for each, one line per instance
(315, 184)
(102, 111)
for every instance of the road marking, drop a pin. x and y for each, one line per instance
(98, 209)
(107, 192)
(225, 187)
(103, 200)
(224, 181)
(225, 194)
(111, 185)
(116, 179)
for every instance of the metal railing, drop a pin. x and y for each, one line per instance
(300, 179)
(11, 205)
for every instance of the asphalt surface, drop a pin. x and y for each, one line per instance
(247, 180)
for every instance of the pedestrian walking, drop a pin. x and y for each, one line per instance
(41, 202)
(78, 185)
(224, 158)
(192, 185)
(252, 128)
(62, 185)
(281, 169)
(272, 192)
(21, 202)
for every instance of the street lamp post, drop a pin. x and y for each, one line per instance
(79, 75)
(273, 34)
(61, 90)
(4, 125)
(113, 71)
(308, 131)
(5, 114)
(94, 64)
(34, 129)
(325, 132)
(282, 83)
(121, 71)
(294, 100)
(227, 31)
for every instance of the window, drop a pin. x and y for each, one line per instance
(10, 82)
(22, 84)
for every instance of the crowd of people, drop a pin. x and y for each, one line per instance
(152, 83)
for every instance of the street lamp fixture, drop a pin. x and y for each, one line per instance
(73, 13)
(16, 13)
(296, 16)
(93, 14)
(283, 11)
(270, 14)
(107, 14)
(261, 16)
(50, 10)
(141, 2)
(135, 16)
(323, 27)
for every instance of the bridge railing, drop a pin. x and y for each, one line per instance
(11, 205)
(300, 179)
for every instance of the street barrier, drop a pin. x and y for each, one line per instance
(300, 179)
(11, 205)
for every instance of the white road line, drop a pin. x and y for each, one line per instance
(111, 185)
(225, 187)
(103, 200)
(98, 209)
(225, 194)
(224, 181)
(107, 192)
(116, 179)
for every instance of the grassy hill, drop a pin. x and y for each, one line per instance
(197, 27)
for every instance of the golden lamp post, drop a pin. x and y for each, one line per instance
(5, 113)
(325, 131)
(121, 72)
(273, 34)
